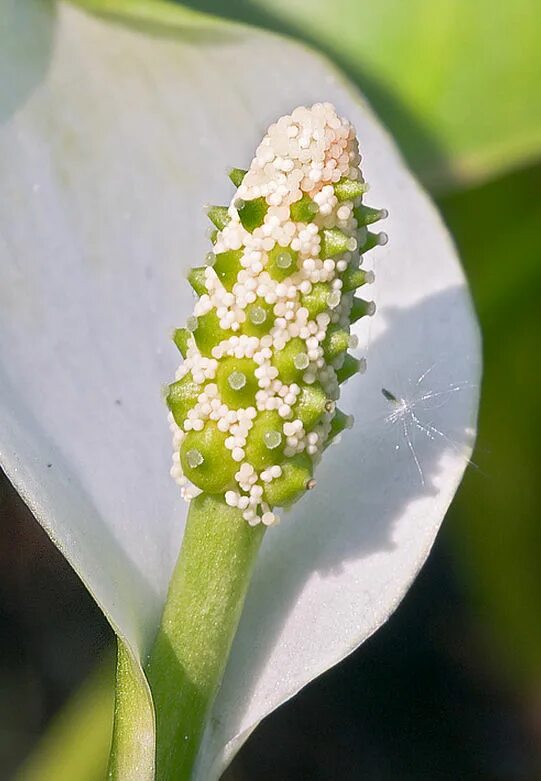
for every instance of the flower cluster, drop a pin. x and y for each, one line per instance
(254, 402)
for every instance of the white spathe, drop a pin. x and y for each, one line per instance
(111, 142)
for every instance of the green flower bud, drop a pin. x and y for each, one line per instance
(290, 485)
(265, 350)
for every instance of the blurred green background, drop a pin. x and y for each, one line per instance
(450, 688)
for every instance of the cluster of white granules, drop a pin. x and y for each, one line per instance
(303, 155)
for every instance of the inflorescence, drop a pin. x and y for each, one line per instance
(254, 402)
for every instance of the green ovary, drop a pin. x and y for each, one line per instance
(206, 461)
(265, 442)
(303, 210)
(259, 318)
(335, 343)
(317, 300)
(237, 382)
(291, 360)
(281, 262)
(310, 405)
(208, 332)
(252, 213)
(227, 266)
(292, 483)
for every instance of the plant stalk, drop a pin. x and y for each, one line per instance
(200, 618)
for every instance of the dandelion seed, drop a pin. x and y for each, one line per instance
(407, 413)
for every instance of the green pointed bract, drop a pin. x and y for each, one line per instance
(303, 210)
(311, 404)
(371, 240)
(265, 441)
(218, 215)
(181, 397)
(334, 242)
(287, 360)
(252, 213)
(354, 277)
(196, 278)
(349, 189)
(361, 308)
(182, 338)
(236, 175)
(366, 215)
(339, 423)
(316, 301)
(335, 343)
(227, 266)
(292, 483)
(349, 368)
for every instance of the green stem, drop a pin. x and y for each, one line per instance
(203, 608)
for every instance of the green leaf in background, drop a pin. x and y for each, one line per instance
(457, 82)
(496, 528)
(76, 744)
(164, 14)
